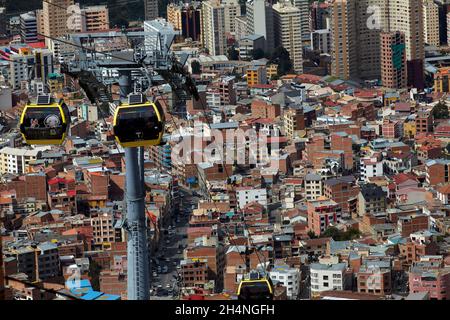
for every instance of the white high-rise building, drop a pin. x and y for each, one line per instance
(232, 9)
(213, 37)
(286, 19)
(28, 27)
(260, 21)
(161, 31)
(303, 6)
(431, 23)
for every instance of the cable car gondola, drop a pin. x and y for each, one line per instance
(255, 287)
(45, 122)
(138, 123)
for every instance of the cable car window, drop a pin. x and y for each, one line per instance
(43, 123)
(136, 124)
(255, 291)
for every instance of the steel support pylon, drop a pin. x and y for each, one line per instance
(138, 282)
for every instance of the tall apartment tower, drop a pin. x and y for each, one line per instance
(344, 50)
(319, 15)
(371, 20)
(55, 17)
(213, 19)
(95, 18)
(286, 19)
(40, 20)
(28, 27)
(232, 10)
(407, 16)
(303, 6)
(431, 23)
(355, 33)
(260, 21)
(151, 9)
(356, 26)
(393, 60)
(444, 8)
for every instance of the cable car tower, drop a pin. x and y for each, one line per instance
(141, 67)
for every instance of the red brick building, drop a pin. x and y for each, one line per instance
(412, 223)
(322, 213)
(435, 282)
(342, 141)
(437, 172)
(28, 186)
(344, 191)
(214, 257)
(194, 273)
(424, 122)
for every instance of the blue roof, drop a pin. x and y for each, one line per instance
(45, 246)
(108, 297)
(92, 295)
(80, 292)
(83, 290)
(71, 284)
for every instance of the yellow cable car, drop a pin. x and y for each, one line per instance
(45, 122)
(255, 287)
(138, 123)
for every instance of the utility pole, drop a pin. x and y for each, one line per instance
(137, 246)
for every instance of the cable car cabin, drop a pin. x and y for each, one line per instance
(45, 122)
(139, 123)
(255, 287)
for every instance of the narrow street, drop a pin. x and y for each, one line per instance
(165, 264)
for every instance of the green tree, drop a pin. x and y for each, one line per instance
(233, 54)
(257, 54)
(339, 235)
(94, 274)
(196, 68)
(440, 111)
(332, 232)
(281, 57)
(351, 234)
(311, 234)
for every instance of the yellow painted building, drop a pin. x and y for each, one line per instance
(174, 15)
(256, 75)
(271, 70)
(409, 129)
(441, 80)
(55, 83)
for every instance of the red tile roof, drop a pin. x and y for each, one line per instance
(444, 189)
(402, 177)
